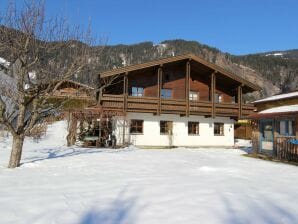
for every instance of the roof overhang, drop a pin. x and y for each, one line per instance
(272, 115)
(248, 86)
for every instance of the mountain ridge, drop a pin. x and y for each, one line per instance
(274, 71)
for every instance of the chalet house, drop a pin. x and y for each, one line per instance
(176, 101)
(275, 126)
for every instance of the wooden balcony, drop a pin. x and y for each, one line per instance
(172, 106)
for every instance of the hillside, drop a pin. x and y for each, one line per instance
(273, 71)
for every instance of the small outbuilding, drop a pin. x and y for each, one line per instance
(275, 130)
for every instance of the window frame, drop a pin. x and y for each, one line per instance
(136, 126)
(166, 90)
(168, 129)
(218, 97)
(287, 123)
(139, 90)
(219, 126)
(233, 99)
(191, 93)
(193, 125)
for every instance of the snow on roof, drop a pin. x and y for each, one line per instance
(281, 109)
(278, 97)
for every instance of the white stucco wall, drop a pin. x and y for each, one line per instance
(151, 131)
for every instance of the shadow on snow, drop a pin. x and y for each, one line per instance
(121, 210)
(62, 152)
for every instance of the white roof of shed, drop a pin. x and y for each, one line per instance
(281, 109)
(278, 97)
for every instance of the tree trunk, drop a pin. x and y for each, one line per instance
(16, 151)
(72, 128)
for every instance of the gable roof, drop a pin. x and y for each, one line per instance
(193, 57)
(82, 85)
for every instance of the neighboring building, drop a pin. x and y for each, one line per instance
(275, 126)
(177, 101)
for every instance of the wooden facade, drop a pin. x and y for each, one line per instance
(184, 85)
(75, 90)
(218, 92)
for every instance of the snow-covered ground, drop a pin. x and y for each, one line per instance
(56, 184)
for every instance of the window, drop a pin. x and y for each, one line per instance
(194, 95)
(218, 129)
(218, 98)
(193, 128)
(233, 99)
(166, 93)
(166, 127)
(136, 126)
(286, 128)
(137, 91)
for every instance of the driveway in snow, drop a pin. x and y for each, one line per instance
(85, 186)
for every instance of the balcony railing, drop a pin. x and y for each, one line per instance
(172, 106)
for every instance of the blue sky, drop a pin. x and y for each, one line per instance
(234, 26)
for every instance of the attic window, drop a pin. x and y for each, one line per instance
(166, 93)
(193, 96)
(218, 98)
(137, 91)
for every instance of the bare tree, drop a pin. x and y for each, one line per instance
(42, 53)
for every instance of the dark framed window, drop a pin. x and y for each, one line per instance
(193, 128)
(166, 93)
(286, 127)
(218, 98)
(136, 126)
(194, 96)
(166, 127)
(218, 128)
(137, 91)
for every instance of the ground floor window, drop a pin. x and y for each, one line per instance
(286, 127)
(136, 126)
(218, 128)
(193, 128)
(166, 127)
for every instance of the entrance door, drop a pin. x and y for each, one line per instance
(266, 136)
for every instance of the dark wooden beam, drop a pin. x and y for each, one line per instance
(187, 80)
(240, 102)
(159, 86)
(213, 90)
(125, 91)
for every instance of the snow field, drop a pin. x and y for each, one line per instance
(57, 184)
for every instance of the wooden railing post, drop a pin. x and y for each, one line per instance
(240, 102)
(125, 92)
(213, 89)
(159, 86)
(275, 134)
(296, 127)
(187, 79)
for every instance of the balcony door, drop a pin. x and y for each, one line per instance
(266, 138)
